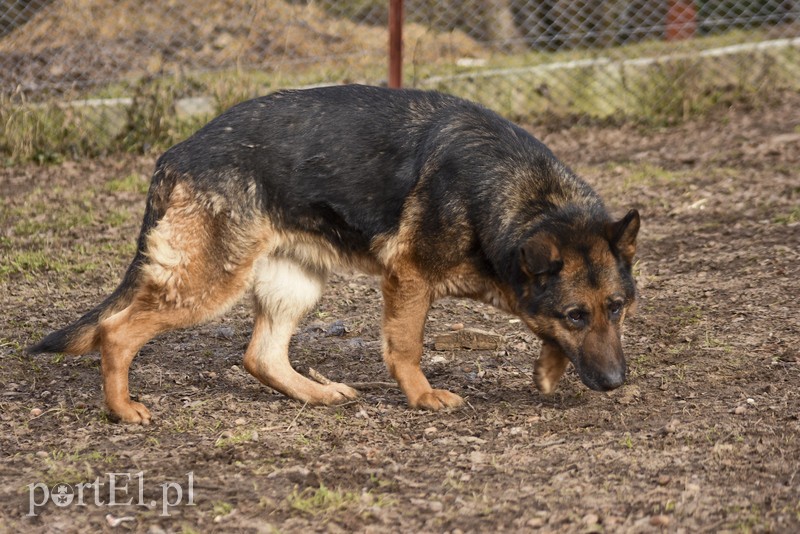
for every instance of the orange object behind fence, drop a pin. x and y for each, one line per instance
(681, 20)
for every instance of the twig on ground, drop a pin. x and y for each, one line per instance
(296, 417)
(322, 379)
(318, 377)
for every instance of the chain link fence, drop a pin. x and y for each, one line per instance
(91, 76)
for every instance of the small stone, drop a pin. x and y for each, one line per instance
(223, 40)
(455, 327)
(36, 412)
(477, 457)
(659, 520)
(590, 519)
(224, 332)
(114, 522)
(431, 430)
(435, 506)
(240, 421)
(739, 410)
(42, 454)
(535, 522)
(672, 426)
(336, 329)
(663, 480)
(751, 402)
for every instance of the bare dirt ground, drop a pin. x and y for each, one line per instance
(705, 435)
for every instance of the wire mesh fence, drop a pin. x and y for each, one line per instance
(88, 76)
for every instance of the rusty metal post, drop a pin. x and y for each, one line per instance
(395, 43)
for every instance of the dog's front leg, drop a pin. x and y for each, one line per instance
(549, 368)
(407, 299)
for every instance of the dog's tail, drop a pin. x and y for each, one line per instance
(83, 335)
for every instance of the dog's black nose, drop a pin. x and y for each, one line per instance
(604, 379)
(612, 378)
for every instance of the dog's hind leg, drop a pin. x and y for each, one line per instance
(155, 310)
(549, 368)
(121, 336)
(284, 291)
(198, 262)
(406, 304)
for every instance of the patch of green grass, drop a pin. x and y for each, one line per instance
(133, 183)
(688, 314)
(627, 441)
(187, 420)
(790, 217)
(29, 227)
(712, 342)
(183, 423)
(10, 343)
(221, 508)
(118, 218)
(124, 250)
(235, 438)
(35, 219)
(647, 174)
(321, 500)
(28, 262)
(72, 467)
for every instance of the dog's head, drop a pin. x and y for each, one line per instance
(575, 287)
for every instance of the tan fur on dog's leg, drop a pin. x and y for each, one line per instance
(406, 304)
(284, 292)
(549, 368)
(121, 339)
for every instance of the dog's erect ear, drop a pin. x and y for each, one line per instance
(622, 235)
(539, 255)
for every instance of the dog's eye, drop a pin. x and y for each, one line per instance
(615, 309)
(577, 317)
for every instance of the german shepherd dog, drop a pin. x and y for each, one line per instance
(438, 195)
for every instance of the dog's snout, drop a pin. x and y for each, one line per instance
(612, 378)
(603, 378)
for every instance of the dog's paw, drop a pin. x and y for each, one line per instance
(336, 393)
(436, 399)
(546, 384)
(134, 413)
